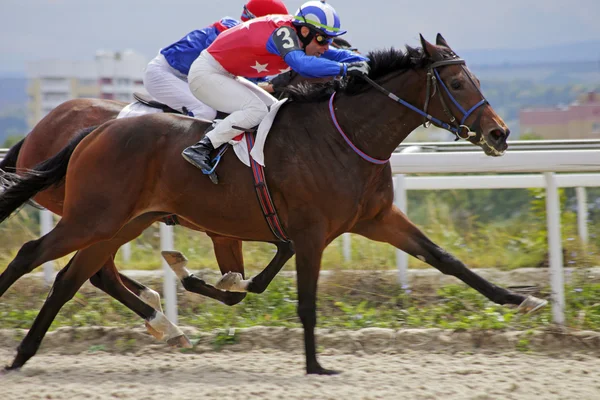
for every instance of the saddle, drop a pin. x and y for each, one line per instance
(147, 100)
(150, 102)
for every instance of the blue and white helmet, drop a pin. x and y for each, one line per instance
(319, 16)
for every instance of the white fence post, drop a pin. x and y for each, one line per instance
(401, 203)
(555, 249)
(582, 214)
(46, 224)
(169, 278)
(347, 247)
(126, 249)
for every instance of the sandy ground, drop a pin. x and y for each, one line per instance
(273, 374)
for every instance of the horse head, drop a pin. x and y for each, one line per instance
(454, 96)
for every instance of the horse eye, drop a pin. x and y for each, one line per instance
(455, 84)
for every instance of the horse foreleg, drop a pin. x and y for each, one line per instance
(81, 268)
(233, 281)
(117, 285)
(192, 283)
(393, 227)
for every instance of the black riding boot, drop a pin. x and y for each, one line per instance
(199, 154)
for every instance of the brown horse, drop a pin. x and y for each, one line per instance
(321, 188)
(53, 133)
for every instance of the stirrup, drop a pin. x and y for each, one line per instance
(215, 162)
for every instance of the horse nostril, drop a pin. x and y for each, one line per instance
(499, 134)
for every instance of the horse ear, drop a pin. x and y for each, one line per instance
(440, 41)
(429, 49)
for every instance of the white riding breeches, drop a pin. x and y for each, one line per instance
(170, 87)
(246, 103)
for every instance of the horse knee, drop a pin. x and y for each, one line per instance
(234, 298)
(256, 286)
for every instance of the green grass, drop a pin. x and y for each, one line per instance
(379, 305)
(503, 243)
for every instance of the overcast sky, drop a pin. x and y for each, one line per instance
(75, 29)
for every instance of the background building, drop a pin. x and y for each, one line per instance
(579, 120)
(111, 75)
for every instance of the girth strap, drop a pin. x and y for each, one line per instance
(263, 194)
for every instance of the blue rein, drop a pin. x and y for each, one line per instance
(457, 129)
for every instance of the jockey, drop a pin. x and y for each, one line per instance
(264, 46)
(165, 77)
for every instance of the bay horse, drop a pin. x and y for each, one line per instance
(53, 133)
(323, 183)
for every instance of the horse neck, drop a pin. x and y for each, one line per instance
(375, 123)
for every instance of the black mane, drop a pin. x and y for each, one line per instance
(382, 62)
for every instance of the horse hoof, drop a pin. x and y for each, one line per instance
(531, 304)
(322, 371)
(180, 341)
(232, 282)
(8, 369)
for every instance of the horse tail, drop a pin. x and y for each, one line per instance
(9, 162)
(19, 189)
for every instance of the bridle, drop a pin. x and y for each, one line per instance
(459, 129)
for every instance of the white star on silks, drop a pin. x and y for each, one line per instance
(283, 71)
(260, 67)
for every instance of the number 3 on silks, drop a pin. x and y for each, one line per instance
(285, 40)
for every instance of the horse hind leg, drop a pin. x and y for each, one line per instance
(394, 228)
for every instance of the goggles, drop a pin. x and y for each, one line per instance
(323, 40)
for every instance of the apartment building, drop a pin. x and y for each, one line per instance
(110, 75)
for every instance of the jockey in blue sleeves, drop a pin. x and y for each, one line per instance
(165, 77)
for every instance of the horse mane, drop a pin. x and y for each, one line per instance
(382, 62)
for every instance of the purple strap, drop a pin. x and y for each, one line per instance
(356, 149)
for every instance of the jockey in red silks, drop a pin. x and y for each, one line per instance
(261, 47)
(166, 75)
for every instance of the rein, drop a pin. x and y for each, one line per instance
(460, 130)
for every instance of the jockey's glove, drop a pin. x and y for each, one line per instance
(358, 68)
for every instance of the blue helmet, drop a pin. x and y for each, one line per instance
(319, 16)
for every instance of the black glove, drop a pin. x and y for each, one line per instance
(359, 68)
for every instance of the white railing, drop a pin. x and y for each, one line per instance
(546, 163)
